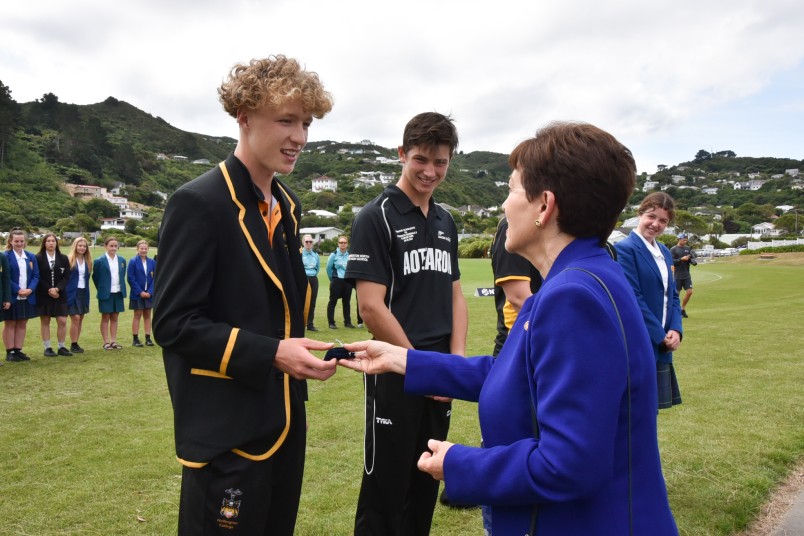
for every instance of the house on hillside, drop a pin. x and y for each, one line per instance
(113, 223)
(322, 213)
(765, 229)
(323, 183)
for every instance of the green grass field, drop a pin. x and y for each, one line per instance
(86, 442)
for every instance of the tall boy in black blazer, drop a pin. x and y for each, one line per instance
(231, 298)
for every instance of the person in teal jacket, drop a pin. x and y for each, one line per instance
(567, 410)
(647, 264)
(339, 288)
(109, 276)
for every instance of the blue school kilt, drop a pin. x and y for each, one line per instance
(81, 305)
(140, 303)
(669, 393)
(20, 310)
(114, 304)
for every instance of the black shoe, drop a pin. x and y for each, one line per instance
(50, 353)
(333, 326)
(312, 328)
(443, 499)
(22, 355)
(12, 357)
(360, 324)
(684, 313)
(349, 325)
(74, 348)
(148, 341)
(137, 343)
(64, 351)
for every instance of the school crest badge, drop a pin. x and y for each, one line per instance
(230, 507)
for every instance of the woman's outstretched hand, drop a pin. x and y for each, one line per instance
(375, 357)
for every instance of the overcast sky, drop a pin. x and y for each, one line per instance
(667, 78)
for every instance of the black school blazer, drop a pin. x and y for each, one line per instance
(222, 306)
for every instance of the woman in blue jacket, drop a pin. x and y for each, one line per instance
(78, 289)
(109, 276)
(141, 280)
(648, 266)
(24, 274)
(568, 408)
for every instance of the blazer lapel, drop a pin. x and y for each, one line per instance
(648, 256)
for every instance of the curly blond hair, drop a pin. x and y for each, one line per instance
(273, 81)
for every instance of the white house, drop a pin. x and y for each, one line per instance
(323, 183)
(649, 185)
(113, 223)
(321, 233)
(322, 213)
(131, 213)
(765, 229)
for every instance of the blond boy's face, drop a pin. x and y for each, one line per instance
(273, 137)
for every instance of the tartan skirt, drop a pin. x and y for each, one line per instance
(669, 393)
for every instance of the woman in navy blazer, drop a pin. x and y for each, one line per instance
(568, 408)
(647, 264)
(110, 291)
(78, 289)
(141, 280)
(23, 295)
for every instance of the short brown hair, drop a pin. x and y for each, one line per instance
(273, 81)
(656, 200)
(430, 129)
(591, 174)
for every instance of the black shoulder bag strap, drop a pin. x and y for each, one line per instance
(532, 531)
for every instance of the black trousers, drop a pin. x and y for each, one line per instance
(234, 495)
(313, 280)
(396, 498)
(340, 289)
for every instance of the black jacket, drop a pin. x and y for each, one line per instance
(224, 299)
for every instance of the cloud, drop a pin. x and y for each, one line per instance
(658, 75)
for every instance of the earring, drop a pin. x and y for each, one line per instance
(538, 223)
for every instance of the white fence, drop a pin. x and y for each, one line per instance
(776, 243)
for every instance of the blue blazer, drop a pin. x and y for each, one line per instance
(102, 277)
(644, 276)
(137, 278)
(72, 285)
(5, 281)
(565, 361)
(32, 270)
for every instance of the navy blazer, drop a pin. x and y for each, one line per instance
(32, 270)
(5, 281)
(139, 279)
(565, 361)
(58, 275)
(72, 285)
(102, 276)
(645, 278)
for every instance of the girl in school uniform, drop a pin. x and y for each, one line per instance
(51, 294)
(141, 280)
(109, 276)
(24, 272)
(78, 289)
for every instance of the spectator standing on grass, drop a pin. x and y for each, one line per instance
(683, 257)
(404, 260)
(339, 288)
(647, 264)
(24, 275)
(78, 290)
(109, 276)
(312, 264)
(230, 312)
(51, 293)
(5, 287)
(140, 278)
